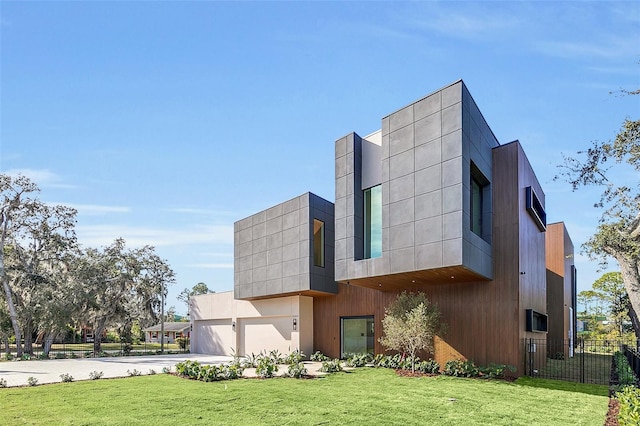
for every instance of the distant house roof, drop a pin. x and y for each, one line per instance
(169, 326)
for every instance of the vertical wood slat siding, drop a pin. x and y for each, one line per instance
(485, 320)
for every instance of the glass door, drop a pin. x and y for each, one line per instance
(356, 335)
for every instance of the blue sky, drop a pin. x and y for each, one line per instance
(165, 122)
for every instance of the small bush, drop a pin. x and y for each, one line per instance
(331, 366)
(152, 371)
(3, 383)
(428, 367)
(267, 367)
(60, 355)
(358, 360)
(460, 368)
(297, 370)
(166, 370)
(66, 378)
(629, 414)
(95, 375)
(233, 371)
(32, 381)
(390, 361)
(26, 357)
(188, 368)
(134, 373)
(319, 357)
(294, 357)
(277, 357)
(251, 361)
(495, 371)
(8, 357)
(43, 356)
(183, 342)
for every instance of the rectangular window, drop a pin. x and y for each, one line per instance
(535, 209)
(154, 334)
(476, 206)
(357, 335)
(479, 204)
(373, 222)
(318, 243)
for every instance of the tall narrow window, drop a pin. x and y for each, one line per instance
(479, 207)
(373, 222)
(318, 243)
(476, 206)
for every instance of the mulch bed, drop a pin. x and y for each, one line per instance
(612, 414)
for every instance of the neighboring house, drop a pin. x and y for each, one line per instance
(431, 202)
(172, 330)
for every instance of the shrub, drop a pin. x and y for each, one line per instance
(319, 357)
(32, 381)
(152, 371)
(331, 366)
(43, 356)
(494, 371)
(629, 413)
(251, 361)
(3, 383)
(8, 357)
(358, 360)
(389, 361)
(454, 367)
(60, 355)
(428, 367)
(134, 373)
(188, 368)
(297, 370)
(277, 357)
(233, 371)
(183, 342)
(66, 378)
(95, 375)
(626, 376)
(26, 357)
(295, 357)
(166, 370)
(267, 367)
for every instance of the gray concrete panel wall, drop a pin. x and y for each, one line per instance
(273, 249)
(426, 155)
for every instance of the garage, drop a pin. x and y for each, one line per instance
(265, 334)
(213, 337)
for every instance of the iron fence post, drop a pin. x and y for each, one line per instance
(582, 361)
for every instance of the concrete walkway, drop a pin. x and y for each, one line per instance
(16, 373)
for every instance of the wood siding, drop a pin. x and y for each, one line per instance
(485, 319)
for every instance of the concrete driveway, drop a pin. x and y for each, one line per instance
(16, 373)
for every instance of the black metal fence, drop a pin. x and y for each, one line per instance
(61, 350)
(583, 361)
(633, 357)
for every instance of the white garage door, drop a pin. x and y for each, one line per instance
(265, 334)
(213, 337)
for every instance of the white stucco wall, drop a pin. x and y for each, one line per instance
(260, 325)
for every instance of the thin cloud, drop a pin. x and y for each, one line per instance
(94, 209)
(42, 177)
(606, 47)
(211, 265)
(198, 211)
(102, 235)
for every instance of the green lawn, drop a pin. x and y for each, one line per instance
(590, 367)
(365, 396)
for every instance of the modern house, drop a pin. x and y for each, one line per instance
(432, 202)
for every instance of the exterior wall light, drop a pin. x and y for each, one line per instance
(233, 326)
(295, 324)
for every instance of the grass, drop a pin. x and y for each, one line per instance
(597, 368)
(365, 396)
